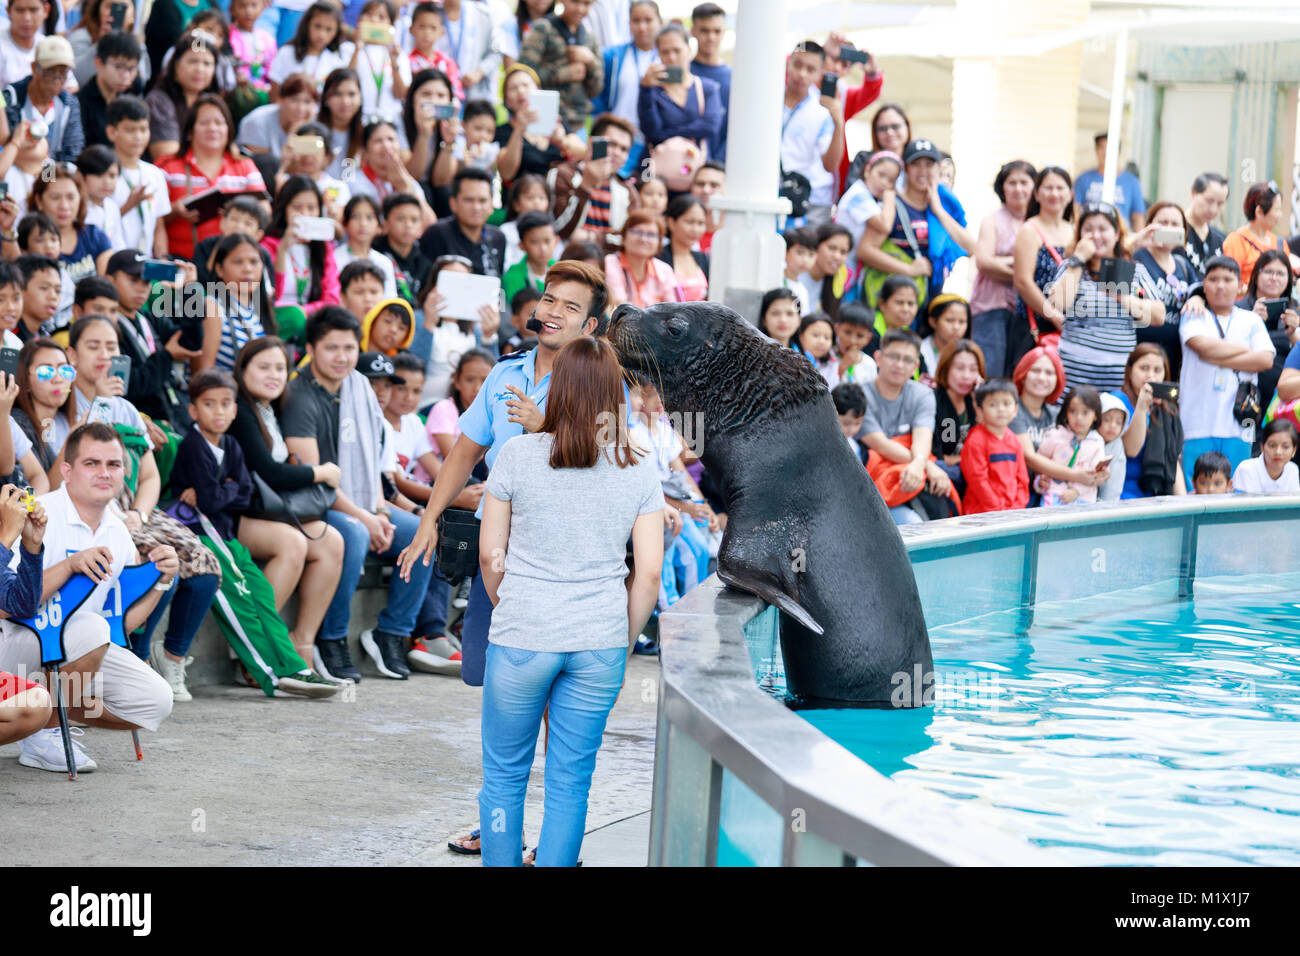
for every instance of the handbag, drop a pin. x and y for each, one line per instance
(677, 159)
(291, 507)
(1247, 406)
(1051, 340)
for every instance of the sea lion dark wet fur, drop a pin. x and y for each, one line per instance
(807, 531)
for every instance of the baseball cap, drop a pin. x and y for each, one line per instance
(54, 51)
(921, 149)
(378, 365)
(129, 261)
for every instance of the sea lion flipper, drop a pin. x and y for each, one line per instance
(767, 587)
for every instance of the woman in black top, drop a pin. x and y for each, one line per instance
(523, 152)
(960, 370)
(262, 371)
(1173, 275)
(1271, 279)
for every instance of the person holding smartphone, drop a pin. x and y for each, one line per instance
(1159, 249)
(674, 102)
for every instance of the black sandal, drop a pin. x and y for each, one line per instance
(456, 846)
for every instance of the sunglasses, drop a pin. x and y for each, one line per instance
(45, 373)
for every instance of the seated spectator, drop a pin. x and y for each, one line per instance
(428, 143)
(816, 340)
(523, 153)
(452, 337)
(948, 318)
(1114, 420)
(61, 195)
(325, 393)
(261, 372)
(1212, 475)
(851, 407)
(362, 223)
(565, 57)
(778, 316)
(536, 233)
(1163, 473)
(691, 108)
(267, 128)
(992, 459)
(582, 250)
(340, 113)
(1273, 471)
(896, 305)
(141, 192)
(710, 179)
(386, 65)
(958, 373)
(479, 122)
(116, 73)
(361, 286)
(516, 337)
(686, 220)
(993, 296)
(96, 23)
(314, 164)
(192, 73)
(1040, 380)
(443, 424)
(528, 193)
(855, 344)
(1222, 348)
(241, 214)
(41, 295)
(99, 174)
(476, 53)
(316, 50)
(383, 174)
(812, 131)
(214, 24)
(252, 49)
(466, 232)
(11, 303)
(427, 30)
(654, 196)
(388, 328)
(634, 274)
(43, 94)
(800, 251)
(825, 282)
(205, 159)
(1264, 209)
(589, 194)
(1209, 196)
(402, 243)
(211, 479)
(83, 536)
(21, 162)
(24, 705)
(305, 272)
(238, 311)
(1075, 443)
(1100, 323)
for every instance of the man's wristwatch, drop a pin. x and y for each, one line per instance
(164, 585)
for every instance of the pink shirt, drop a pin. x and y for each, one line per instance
(1059, 446)
(988, 293)
(660, 284)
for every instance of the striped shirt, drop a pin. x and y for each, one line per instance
(238, 328)
(598, 212)
(1099, 333)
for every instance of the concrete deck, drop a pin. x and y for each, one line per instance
(235, 778)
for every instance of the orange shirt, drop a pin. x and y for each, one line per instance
(1245, 248)
(184, 178)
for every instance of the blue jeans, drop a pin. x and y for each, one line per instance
(432, 619)
(190, 599)
(1234, 449)
(404, 598)
(474, 634)
(581, 688)
(903, 514)
(989, 332)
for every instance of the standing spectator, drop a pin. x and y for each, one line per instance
(385, 68)
(1099, 331)
(609, 22)
(993, 296)
(141, 191)
(1263, 208)
(871, 197)
(589, 194)
(690, 109)
(710, 180)
(634, 274)
(1038, 252)
(510, 34)
(825, 281)
(1222, 348)
(530, 664)
(61, 194)
(426, 31)
(467, 37)
(687, 219)
(465, 232)
(252, 48)
(566, 57)
(1163, 474)
(812, 130)
(624, 66)
(1272, 280)
(117, 72)
(1128, 191)
(855, 99)
(1209, 195)
(708, 24)
(1172, 274)
(891, 130)
(191, 73)
(41, 96)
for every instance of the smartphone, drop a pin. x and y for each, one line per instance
(9, 362)
(1166, 390)
(1275, 309)
(376, 34)
(443, 111)
(1117, 272)
(1104, 462)
(1169, 236)
(306, 145)
(159, 270)
(120, 365)
(673, 74)
(314, 228)
(850, 54)
(599, 147)
(830, 83)
(117, 16)
(4, 190)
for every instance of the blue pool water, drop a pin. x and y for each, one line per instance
(1169, 736)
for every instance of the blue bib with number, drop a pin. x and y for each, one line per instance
(51, 617)
(131, 586)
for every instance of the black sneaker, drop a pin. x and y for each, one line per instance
(333, 662)
(388, 651)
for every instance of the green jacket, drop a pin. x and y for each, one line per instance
(544, 49)
(516, 278)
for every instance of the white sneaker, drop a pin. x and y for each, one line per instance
(44, 751)
(434, 656)
(173, 672)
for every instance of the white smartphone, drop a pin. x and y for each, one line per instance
(314, 228)
(547, 104)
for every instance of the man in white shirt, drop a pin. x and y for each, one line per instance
(1222, 347)
(18, 39)
(105, 685)
(812, 131)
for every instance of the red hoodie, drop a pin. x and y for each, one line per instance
(995, 472)
(855, 101)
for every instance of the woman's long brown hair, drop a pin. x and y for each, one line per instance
(24, 378)
(584, 407)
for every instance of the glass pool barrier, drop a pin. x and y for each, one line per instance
(740, 779)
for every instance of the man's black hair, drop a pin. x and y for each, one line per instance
(331, 318)
(901, 335)
(357, 268)
(1205, 180)
(469, 173)
(397, 200)
(707, 11)
(849, 399)
(533, 219)
(32, 263)
(125, 107)
(810, 46)
(94, 287)
(994, 386)
(118, 43)
(1212, 462)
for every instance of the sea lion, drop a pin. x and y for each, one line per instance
(806, 531)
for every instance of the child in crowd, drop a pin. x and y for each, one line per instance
(39, 235)
(305, 272)
(480, 126)
(443, 424)
(949, 317)
(403, 225)
(240, 215)
(315, 48)
(528, 193)
(537, 241)
(141, 193)
(800, 253)
(314, 164)
(1114, 421)
(653, 193)
(1212, 474)
(388, 328)
(816, 339)
(98, 166)
(11, 304)
(417, 461)
(1273, 472)
(383, 65)
(362, 222)
(518, 338)
(992, 461)
(856, 342)
(896, 306)
(851, 407)
(584, 250)
(451, 337)
(254, 48)
(42, 291)
(361, 288)
(1074, 442)
(215, 490)
(20, 163)
(869, 200)
(95, 295)
(778, 316)
(427, 31)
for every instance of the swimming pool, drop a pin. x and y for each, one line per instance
(1117, 685)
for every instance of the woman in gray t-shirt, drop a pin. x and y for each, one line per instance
(559, 508)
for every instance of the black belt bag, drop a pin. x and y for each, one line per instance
(457, 554)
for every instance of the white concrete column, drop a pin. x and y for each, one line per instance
(748, 255)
